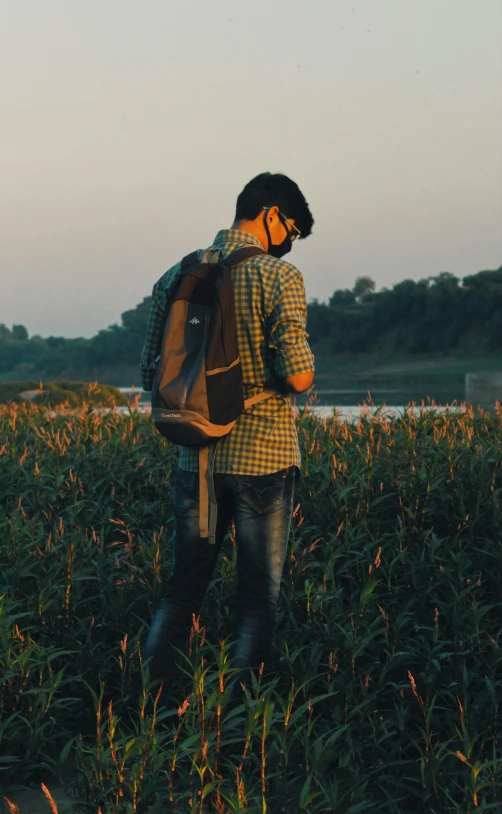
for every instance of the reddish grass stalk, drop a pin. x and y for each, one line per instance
(52, 804)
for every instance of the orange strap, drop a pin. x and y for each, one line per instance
(208, 509)
(259, 397)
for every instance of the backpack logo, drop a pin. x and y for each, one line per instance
(194, 321)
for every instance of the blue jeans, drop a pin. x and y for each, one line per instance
(261, 508)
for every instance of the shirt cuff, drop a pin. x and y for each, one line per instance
(294, 363)
(146, 380)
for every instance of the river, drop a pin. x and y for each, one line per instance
(350, 402)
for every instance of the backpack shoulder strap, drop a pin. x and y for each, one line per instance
(191, 259)
(240, 255)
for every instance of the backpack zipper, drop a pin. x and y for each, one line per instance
(195, 367)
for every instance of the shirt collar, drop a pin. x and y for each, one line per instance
(236, 237)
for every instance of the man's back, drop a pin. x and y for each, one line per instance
(271, 318)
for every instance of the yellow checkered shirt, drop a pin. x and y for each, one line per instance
(271, 317)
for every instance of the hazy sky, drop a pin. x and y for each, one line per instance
(128, 128)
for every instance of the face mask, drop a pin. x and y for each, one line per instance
(279, 249)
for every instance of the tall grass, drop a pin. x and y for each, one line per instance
(387, 689)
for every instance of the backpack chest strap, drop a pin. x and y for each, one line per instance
(265, 394)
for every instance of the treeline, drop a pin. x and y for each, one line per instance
(115, 348)
(437, 314)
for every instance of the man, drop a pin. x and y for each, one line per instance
(256, 463)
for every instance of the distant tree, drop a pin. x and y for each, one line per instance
(483, 279)
(482, 308)
(4, 331)
(135, 320)
(121, 344)
(398, 316)
(362, 287)
(56, 341)
(19, 332)
(341, 298)
(319, 320)
(445, 278)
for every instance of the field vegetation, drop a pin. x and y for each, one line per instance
(387, 690)
(70, 394)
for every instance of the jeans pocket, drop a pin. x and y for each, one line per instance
(186, 491)
(262, 492)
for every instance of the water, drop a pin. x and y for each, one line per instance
(349, 403)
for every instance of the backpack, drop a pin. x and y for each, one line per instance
(197, 393)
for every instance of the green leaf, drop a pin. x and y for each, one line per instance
(491, 691)
(209, 787)
(63, 757)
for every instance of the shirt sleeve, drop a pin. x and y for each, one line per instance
(287, 331)
(161, 295)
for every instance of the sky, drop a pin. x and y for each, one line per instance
(128, 129)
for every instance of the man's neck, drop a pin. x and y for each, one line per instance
(252, 228)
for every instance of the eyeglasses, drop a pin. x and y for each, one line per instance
(294, 232)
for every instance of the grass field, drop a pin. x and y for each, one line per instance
(387, 689)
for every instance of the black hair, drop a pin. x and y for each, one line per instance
(274, 189)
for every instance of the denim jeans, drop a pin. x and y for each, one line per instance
(261, 508)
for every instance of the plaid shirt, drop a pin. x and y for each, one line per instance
(271, 316)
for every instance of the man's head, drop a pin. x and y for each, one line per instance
(273, 209)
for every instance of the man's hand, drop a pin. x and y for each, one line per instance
(298, 383)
